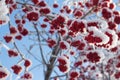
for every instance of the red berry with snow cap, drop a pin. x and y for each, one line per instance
(12, 53)
(16, 69)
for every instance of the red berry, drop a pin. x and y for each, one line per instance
(42, 4)
(16, 69)
(35, 1)
(17, 21)
(106, 14)
(4, 73)
(51, 43)
(74, 74)
(24, 32)
(46, 19)
(8, 38)
(13, 30)
(12, 53)
(18, 37)
(111, 5)
(44, 10)
(93, 57)
(63, 68)
(20, 27)
(23, 21)
(9, 1)
(55, 5)
(27, 76)
(2, 22)
(117, 19)
(43, 25)
(32, 16)
(63, 45)
(27, 63)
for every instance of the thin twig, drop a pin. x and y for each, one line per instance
(40, 47)
(32, 55)
(57, 76)
(35, 67)
(22, 56)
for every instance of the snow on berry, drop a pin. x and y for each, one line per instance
(78, 13)
(12, 53)
(27, 76)
(4, 20)
(3, 12)
(104, 4)
(94, 37)
(96, 75)
(63, 60)
(64, 64)
(112, 38)
(4, 73)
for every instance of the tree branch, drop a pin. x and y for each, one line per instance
(40, 48)
(50, 66)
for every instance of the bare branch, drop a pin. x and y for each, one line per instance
(41, 51)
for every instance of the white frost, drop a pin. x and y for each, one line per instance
(100, 34)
